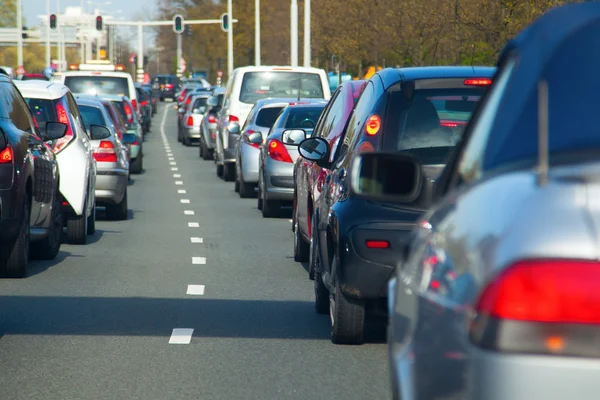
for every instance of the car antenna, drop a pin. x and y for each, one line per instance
(543, 163)
(299, 88)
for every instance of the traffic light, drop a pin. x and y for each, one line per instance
(99, 23)
(188, 30)
(178, 24)
(225, 22)
(24, 34)
(52, 21)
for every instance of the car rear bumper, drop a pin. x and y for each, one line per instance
(279, 180)
(111, 186)
(192, 133)
(249, 162)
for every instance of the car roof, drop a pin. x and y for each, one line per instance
(278, 68)
(41, 89)
(308, 105)
(114, 74)
(391, 76)
(91, 102)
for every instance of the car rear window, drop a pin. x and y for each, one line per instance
(277, 84)
(98, 85)
(303, 117)
(431, 124)
(165, 79)
(42, 110)
(91, 116)
(267, 116)
(200, 102)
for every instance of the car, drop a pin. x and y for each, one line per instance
(168, 85)
(96, 82)
(153, 95)
(193, 117)
(498, 284)
(111, 156)
(278, 153)
(246, 86)
(310, 177)
(255, 130)
(208, 126)
(29, 185)
(29, 77)
(404, 110)
(145, 109)
(52, 101)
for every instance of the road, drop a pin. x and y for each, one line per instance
(98, 322)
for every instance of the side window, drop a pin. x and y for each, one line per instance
(250, 118)
(319, 130)
(471, 163)
(363, 107)
(336, 111)
(20, 115)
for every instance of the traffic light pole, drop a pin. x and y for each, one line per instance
(179, 55)
(140, 54)
(20, 35)
(48, 55)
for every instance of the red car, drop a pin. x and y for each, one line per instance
(309, 177)
(27, 77)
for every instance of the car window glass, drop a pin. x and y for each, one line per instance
(303, 117)
(6, 100)
(20, 115)
(92, 116)
(266, 117)
(42, 110)
(363, 107)
(97, 85)
(269, 84)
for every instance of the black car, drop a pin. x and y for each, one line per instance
(420, 112)
(30, 202)
(153, 95)
(145, 108)
(168, 86)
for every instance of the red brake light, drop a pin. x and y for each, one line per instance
(169, 86)
(64, 118)
(450, 124)
(233, 118)
(373, 125)
(555, 291)
(377, 244)
(190, 120)
(128, 112)
(278, 152)
(144, 103)
(182, 95)
(105, 152)
(6, 156)
(478, 82)
(134, 103)
(212, 119)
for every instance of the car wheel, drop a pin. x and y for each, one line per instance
(186, 141)
(321, 295)
(270, 208)
(137, 165)
(92, 222)
(313, 253)
(179, 135)
(14, 254)
(229, 172)
(77, 228)
(201, 149)
(301, 248)
(207, 153)
(219, 171)
(118, 211)
(347, 317)
(48, 248)
(236, 186)
(259, 201)
(246, 189)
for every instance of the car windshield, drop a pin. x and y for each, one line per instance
(98, 85)
(431, 124)
(276, 84)
(267, 116)
(91, 116)
(303, 117)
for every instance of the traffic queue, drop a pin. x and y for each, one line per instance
(67, 146)
(457, 202)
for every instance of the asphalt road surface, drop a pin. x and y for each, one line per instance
(113, 319)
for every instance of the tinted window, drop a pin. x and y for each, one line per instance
(92, 116)
(20, 112)
(303, 117)
(333, 114)
(220, 98)
(142, 95)
(261, 85)
(97, 85)
(267, 116)
(200, 102)
(430, 125)
(365, 104)
(42, 110)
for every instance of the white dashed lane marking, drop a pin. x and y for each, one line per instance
(179, 182)
(185, 201)
(193, 225)
(181, 336)
(196, 240)
(174, 169)
(195, 290)
(173, 163)
(181, 191)
(198, 260)
(176, 175)
(189, 212)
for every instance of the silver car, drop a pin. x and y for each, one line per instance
(192, 118)
(208, 126)
(278, 153)
(247, 151)
(111, 156)
(498, 294)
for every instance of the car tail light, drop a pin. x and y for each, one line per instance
(6, 156)
(144, 103)
(134, 104)
(129, 113)
(449, 124)
(377, 244)
(214, 135)
(64, 118)
(478, 82)
(169, 86)
(278, 152)
(182, 95)
(233, 118)
(541, 306)
(212, 119)
(373, 125)
(105, 152)
(190, 120)
(247, 140)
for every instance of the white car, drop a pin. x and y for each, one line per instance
(51, 101)
(246, 86)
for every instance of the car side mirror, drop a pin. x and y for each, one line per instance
(234, 128)
(255, 138)
(314, 149)
(293, 136)
(55, 130)
(212, 101)
(129, 138)
(390, 177)
(99, 132)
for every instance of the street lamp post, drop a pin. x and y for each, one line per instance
(20, 35)
(229, 38)
(307, 44)
(257, 33)
(294, 33)
(48, 55)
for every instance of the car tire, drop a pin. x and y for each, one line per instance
(246, 189)
(179, 139)
(91, 229)
(219, 171)
(186, 141)
(137, 165)
(77, 228)
(301, 248)
(236, 186)
(229, 172)
(118, 212)
(14, 254)
(259, 200)
(321, 295)
(347, 317)
(201, 149)
(207, 153)
(270, 208)
(48, 248)
(313, 252)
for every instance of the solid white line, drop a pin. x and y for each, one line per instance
(179, 182)
(176, 175)
(181, 336)
(198, 260)
(181, 191)
(196, 240)
(195, 290)
(185, 201)
(173, 163)
(193, 225)
(174, 169)
(189, 212)
(162, 124)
